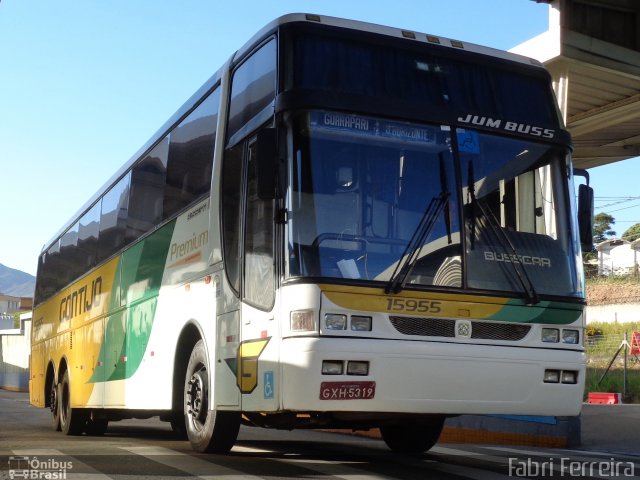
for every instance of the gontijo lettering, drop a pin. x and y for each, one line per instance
(81, 300)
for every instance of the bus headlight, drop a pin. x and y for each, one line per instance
(551, 376)
(570, 336)
(302, 321)
(550, 335)
(332, 367)
(360, 323)
(335, 321)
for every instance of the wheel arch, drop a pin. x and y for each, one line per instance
(190, 335)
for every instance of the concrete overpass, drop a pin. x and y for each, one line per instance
(592, 49)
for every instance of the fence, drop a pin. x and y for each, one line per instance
(613, 366)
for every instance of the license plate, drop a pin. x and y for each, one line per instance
(347, 390)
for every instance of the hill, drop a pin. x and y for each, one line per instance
(16, 283)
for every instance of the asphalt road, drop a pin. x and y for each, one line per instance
(147, 449)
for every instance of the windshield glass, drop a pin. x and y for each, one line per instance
(371, 199)
(516, 216)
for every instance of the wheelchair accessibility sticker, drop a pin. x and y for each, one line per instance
(268, 384)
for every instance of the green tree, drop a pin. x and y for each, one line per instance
(632, 233)
(602, 223)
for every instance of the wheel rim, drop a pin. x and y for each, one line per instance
(196, 397)
(53, 400)
(64, 411)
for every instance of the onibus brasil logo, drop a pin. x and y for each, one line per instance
(41, 469)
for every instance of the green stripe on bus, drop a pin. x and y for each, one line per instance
(127, 331)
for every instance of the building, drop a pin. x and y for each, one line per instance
(618, 257)
(9, 304)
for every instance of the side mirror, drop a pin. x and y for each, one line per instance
(585, 212)
(266, 163)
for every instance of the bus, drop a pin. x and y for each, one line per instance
(347, 226)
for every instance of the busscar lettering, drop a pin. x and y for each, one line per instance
(80, 301)
(508, 126)
(530, 260)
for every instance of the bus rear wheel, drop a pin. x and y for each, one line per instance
(72, 420)
(412, 438)
(208, 430)
(54, 406)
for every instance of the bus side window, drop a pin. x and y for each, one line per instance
(253, 90)
(191, 156)
(259, 268)
(231, 212)
(147, 191)
(113, 219)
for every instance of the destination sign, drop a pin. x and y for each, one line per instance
(371, 127)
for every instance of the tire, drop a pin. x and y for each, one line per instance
(412, 439)
(207, 430)
(96, 427)
(178, 426)
(72, 420)
(54, 405)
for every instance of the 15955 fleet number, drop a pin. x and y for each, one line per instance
(413, 305)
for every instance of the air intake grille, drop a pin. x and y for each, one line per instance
(445, 327)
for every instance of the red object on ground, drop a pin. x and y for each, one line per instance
(604, 398)
(635, 343)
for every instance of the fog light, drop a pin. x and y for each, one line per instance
(551, 376)
(360, 324)
(332, 367)
(569, 376)
(550, 335)
(570, 336)
(335, 321)
(357, 368)
(302, 321)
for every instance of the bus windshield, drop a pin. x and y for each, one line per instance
(371, 199)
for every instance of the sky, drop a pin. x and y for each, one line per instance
(84, 84)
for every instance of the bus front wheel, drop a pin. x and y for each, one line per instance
(414, 438)
(208, 430)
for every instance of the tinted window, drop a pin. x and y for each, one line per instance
(259, 268)
(231, 212)
(147, 192)
(253, 87)
(417, 77)
(191, 156)
(88, 239)
(68, 255)
(113, 219)
(49, 273)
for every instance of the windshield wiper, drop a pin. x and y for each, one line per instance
(411, 254)
(503, 239)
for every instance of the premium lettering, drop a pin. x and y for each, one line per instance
(179, 250)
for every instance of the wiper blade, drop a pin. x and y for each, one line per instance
(500, 235)
(407, 261)
(506, 243)
(409, 257)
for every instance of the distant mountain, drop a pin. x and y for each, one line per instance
(16, 283)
